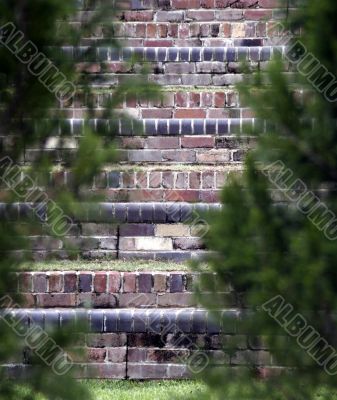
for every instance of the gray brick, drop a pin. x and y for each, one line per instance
(184, 321)
(154, 321)
(111, 318)
(219, 54)
(133, 213)
(172, 54)
(184, 54)
(85, 283)
(173, 212)
(140, 321)
(144, 283)
(198, 127)
(125, 321)
(162, 127)
(96, 321)
(146, 211)
(176, 283)
(159, 213)
(120, 212)
(208, 54)
(150, 127)
(211, 126)
(186, 127)
(113, 179)
(162, 54)
(199, 321)
(174, 127)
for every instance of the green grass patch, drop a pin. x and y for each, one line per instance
(152, 390)
(113, 265)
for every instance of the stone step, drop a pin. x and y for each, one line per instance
(113, 289)
(163, 54)
(141, 343)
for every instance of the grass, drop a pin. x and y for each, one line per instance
(133, 390)
(113, 265)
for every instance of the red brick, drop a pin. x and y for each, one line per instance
(158, 43)
(155, 179)
(256, 15)
(207, 3)
(157, 113)
(227, 30)
(185, 4)
(70, 282)
(195, 180)
(219, 99)
(138, 15)
(190, 113)
(183, 31)
(114, 282)
(181, 195)
(141, 179)
(197, 142)
(163, 143)
(173, 30)
(129, 282)
(162, 30)
(181, 99)
(151, 30)
(168, 179)
(132, 143)
(56, 300)
(55, 282)
(140, 30)
(194, 99)
(269, 3)
(100, 282)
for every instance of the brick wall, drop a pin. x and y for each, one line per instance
(144, 344)
(73, 289)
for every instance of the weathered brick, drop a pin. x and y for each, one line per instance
(56, 300)
(175, 300)
(145, 243)
(85, 282)
(116, 354)
(25, 282)
(144, 283)
(55, 282)
(176, 283)
(100, 282)
(159, 282)
(40, 283)
(70, 282)
(114, 282)
(129, 282)
(197, 142)
(169, 230)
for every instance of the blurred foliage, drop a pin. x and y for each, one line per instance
(30, 116)
(265, 245)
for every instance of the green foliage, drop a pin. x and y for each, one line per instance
(269, 242)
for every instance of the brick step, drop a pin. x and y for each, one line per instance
(189, 97)
(190, 110)
(113, 56)
(115, 289)
(207, 4)
(198, 80)
(182, 34)
(153, 127)
(144, 344)
(109, 212)
(167, 231)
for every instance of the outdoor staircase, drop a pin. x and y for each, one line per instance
(173, 163)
